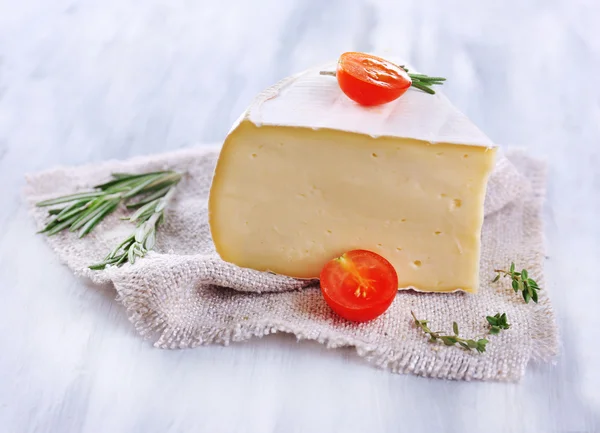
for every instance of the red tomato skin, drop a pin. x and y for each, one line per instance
(335, 293)
(358, 316)
(370, 80)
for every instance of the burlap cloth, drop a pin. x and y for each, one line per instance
(182, 295)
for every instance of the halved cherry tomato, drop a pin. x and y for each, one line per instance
(371, 80)
(359, 285)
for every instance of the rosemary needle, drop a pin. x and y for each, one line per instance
(419, 81)
(136, 245)
(83, 211)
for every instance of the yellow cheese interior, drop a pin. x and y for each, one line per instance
(287, 200)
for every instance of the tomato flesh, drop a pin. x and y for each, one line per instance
(370, 80)
(359, 285)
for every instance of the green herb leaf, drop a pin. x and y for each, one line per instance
(150, 197)
(102, 212)
(88, 209)
(520, 282)
(420, 81)
(69, 198)
(450, 340)
(534, 295)
(481, 345)
(423, 87)
(497, 322)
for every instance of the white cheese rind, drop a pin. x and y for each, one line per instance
(406, 179)
(311, 100)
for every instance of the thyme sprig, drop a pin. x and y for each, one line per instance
(450, 340)
(521, 282)
(497, 323)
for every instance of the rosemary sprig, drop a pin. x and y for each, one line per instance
(420, 81)
(148, 217)
(521, 282)
(83, 211)
(152, 192)
(497, 322)
(451, 340)
(424, 82)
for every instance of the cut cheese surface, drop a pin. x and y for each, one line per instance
(288, 196)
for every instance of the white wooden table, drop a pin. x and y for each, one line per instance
(84, 81)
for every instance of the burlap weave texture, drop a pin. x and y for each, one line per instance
(182, 295)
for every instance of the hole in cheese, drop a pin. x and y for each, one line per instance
(437, 233)
(417, 263)
(342, 191)
(456, 203)
(374, 155)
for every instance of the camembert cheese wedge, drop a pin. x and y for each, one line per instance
(307, 174)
